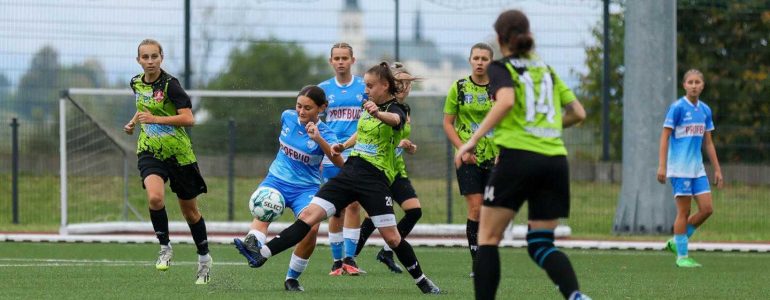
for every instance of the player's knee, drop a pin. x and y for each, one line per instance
(191, 215)
(707, 210)
(392, 240)
(314, 229)
(413, 214)
(155, 200)
(540, 245)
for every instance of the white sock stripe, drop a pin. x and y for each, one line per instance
(386, 248)
(297, 263)
(351, 233)
(326, 205)
(265, 251)
(261, 237)
(335, 237)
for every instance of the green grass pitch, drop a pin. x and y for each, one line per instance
(110, 271)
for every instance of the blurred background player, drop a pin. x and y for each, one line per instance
(532, 166)
(165, 153)
(366, 177)
(466, 105)
(297, 177)
(345, 94)
(687, 130)
(402, 189)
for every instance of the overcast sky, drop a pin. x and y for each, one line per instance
(109, 30)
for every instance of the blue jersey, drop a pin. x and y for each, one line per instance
(689, 122)
(344, 108)
(299, 157)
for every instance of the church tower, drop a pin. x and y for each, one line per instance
(351, 30)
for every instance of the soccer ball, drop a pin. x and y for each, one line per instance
(266, 204)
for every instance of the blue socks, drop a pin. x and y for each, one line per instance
(681, 245)
(297, 265)
(351, 236)
(335, 241)
(690, 230)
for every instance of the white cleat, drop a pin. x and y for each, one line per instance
(204, 268)
(164, 258)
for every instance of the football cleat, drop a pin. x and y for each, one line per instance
(349, 266)
(336, 268)
(292, 285)
(386, 257)
(671, 246)
(249, 248)
(428, 287)
(164, 259)
(687, 262)
(204, 268)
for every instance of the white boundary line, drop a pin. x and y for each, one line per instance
(416, 241)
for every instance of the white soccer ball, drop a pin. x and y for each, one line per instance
(266, 204)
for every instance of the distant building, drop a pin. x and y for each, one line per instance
(422, 57)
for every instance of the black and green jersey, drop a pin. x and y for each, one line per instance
(376, 142)
(534, 122)
(404, 134)
(162, 98)
(470, 102)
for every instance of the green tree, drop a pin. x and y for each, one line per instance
(263, 65)
(590, 92)
(728, 42)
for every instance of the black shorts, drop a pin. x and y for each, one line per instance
(363, 182)
(473, 178)
(186, 181)
(402, 189)
(528, 176)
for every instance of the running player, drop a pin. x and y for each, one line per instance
(402, 189)
(467, 103)
(687, 130)
(366, 177)
(345, 93)
(165, 153)
(532, 166)
(295, 173)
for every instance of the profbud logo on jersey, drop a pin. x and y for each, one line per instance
(689, 130)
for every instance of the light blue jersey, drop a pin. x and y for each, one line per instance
(689, 122)
(344, 109)
(299, 157)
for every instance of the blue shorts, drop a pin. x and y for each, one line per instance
(690, 186)
(295, 197)
(329, 172)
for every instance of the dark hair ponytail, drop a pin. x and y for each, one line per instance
(512, 27)
(315, 93)
(383, 72)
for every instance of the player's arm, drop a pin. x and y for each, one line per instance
(449, 129)
(503, 104)
(350, 142)
(574, 113)
(663, 154)
(184, 117)
(408, 146)
(711, 152)
(391, 119)
(327, 149)
(129, 127)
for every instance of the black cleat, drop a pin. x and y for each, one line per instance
(292, 285)
(350, 267)
(250, 250)
(386, 257)
(428, 287)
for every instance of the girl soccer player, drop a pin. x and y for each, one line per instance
(165, 153)
(687, 130)
(295, 173)
(467, 103)
(402, 189)
(527, 117)
(366, 177)
(346, 94)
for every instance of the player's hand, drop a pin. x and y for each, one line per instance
(465, 148)
(469, 158)
(718, 179)
(408, 146)
(129, 128)
(337, 149)
(312, 131)
(146, 117)
(371, 108)
(662, 174)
